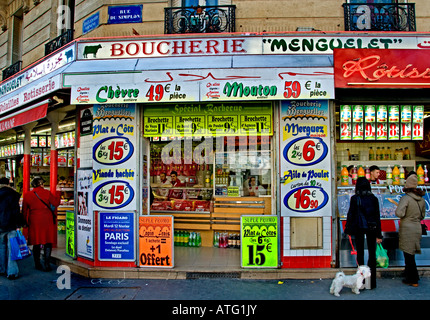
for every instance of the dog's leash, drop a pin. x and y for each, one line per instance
(353, 252)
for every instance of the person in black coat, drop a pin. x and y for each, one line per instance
(11, 218)
(364, 219)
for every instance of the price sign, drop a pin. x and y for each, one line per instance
(381, 131)
(188, 125)
(305, 151)
(156, 126)
(406, 133)
(393, 131)
(113, 194)
(370, 131)
(306, 199)
(418, 131)
(259, 241)
(345, 131)
(357, 131)
(113, 150)
(223, 124)
(156, 241)
(255, 124)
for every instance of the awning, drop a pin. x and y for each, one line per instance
(22, 117)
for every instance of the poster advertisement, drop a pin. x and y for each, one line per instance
(116, 240)
(70, 233)
(85, 215)
(156, 242)
(259, 241)
(305, 158)
(114, 157)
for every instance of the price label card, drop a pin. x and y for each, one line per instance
(114, 157)
(156, 241)
(156, 126)
(259, 241)
(305, 159)
(418, 131)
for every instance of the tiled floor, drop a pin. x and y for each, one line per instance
(213, 258)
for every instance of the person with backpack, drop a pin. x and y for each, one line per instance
(11, 219)
(38, 208)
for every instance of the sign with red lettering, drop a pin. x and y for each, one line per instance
(381, 68)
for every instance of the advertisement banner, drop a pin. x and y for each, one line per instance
(156, 242)
(114, 157)
(373, 68)
(85, 214)
(232, 119)
(305, 158)
(116, 238)
(259, 241)
(203, 85)
(70, 233)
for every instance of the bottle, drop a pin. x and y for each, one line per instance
(367, 173)
(396, 175)
(216, 240)
(402, 174)
(389, 174)
(360, 172)
(426, 177)
(354, 175)
(344, 176)
(389, 153)
(407, 154)
(199, 240)
(378, 153)
(420, 174)
(383, 153)
(191, 239)
(371, 154)
(349, 154)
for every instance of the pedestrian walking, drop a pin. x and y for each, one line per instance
(411, 210)
(363, 219)
(41, 220)
(10, 219)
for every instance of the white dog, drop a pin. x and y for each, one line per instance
(355, 282)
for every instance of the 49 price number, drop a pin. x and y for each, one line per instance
(305, 151)
(306, 199)
(113, 195)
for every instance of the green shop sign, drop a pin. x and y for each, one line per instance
(259, 241)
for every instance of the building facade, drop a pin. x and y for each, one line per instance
(244, 102)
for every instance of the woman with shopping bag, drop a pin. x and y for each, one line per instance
(364, 219)
(37, 208)
(10, 219)
(411, 210)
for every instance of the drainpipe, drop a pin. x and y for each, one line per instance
(27, 156)
(54, 117)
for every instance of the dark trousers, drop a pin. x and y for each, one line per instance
(411, 272)
(371, 248)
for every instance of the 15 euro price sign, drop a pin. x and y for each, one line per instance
(259, 244)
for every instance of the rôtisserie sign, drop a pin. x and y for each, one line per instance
(381, 68)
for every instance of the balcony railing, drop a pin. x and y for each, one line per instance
(379, 17)
(205, 19)
(11, 70)
(59, 41)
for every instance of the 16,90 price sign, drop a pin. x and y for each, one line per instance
(259, 244)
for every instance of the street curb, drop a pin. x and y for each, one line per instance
(91, 272)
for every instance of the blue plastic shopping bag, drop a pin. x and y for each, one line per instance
(18, 247)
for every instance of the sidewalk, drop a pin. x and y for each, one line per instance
(195, 263)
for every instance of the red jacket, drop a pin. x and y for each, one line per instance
(41, 227)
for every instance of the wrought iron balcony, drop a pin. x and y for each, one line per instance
(12, 69)
(379, 17)
(200, 19)
(59, 41)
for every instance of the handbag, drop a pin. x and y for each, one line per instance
(381, 256)
(423, 226)
(18, 247)
(50, 207)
